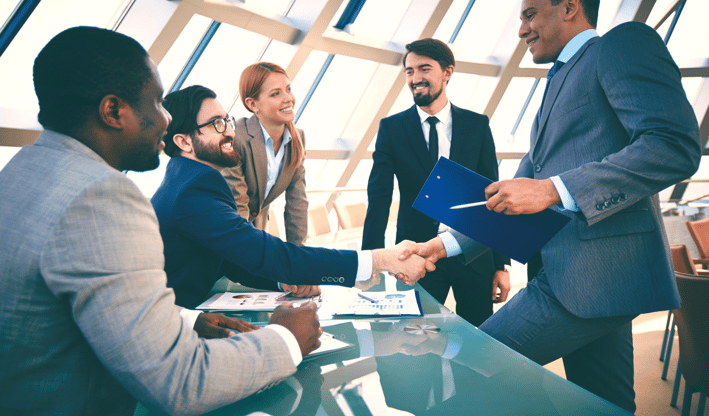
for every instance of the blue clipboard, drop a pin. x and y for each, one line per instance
(516, 236)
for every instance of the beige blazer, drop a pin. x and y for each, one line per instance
(248, 182)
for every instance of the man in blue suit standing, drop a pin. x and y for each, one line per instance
(204, 236)
(408, 146)
(615, 127)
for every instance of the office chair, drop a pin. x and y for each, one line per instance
(693, 326)
(699, 230)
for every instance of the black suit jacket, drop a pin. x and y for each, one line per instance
(401, 151)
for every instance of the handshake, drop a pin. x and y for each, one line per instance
(408, 261)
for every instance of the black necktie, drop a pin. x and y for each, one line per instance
(433, 139)
(554, 69)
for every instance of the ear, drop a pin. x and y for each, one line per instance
(113, 111)
(184, 142)
(448, 73)
(251, 105)
(572, 9)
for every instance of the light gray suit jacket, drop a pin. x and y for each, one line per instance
(617, 128)
(248, 182)
(87, 324)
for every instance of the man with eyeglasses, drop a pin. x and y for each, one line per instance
(204, 236)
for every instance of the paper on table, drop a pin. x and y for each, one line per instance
(251, 301)
(328, 343)
(396, 303)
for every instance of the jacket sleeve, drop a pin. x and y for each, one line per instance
(105, 257)
(205, 214)
(237, 183)
(643, 86)
(379, 191)
(295, 214)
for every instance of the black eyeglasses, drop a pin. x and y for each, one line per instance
(220, 124)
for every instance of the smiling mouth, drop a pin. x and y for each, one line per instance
(288, 109)
(228, 145)
(419, 87)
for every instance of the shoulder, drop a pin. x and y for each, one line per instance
(468, 115)
(400, 117)
(628, 36)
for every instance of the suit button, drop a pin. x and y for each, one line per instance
(607, 204)
(621, 196)
(599, 206)
(537, 168)
(615, 199)
(253, 214)
(341, 279)
(324, 279)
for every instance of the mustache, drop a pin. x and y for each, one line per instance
(420, 84)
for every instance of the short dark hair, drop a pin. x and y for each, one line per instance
(432, 48)
(590, 9)
(184, 106)
(79, 67)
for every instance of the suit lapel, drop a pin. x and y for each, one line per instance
(458, 141)
(414, 131)
(258, 155)
(553, 93)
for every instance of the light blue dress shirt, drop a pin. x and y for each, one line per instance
(274, 157)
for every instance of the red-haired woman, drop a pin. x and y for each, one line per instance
(272, 151)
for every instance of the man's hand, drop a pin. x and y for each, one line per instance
(501, 280)
(302, 322)
(366, 284)
(521, 196)
(413, 267)
(432, 250)
(218, 325)
(301, 291)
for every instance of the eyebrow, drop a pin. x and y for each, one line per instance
(278, 89)
(527, 10)
(420, 66)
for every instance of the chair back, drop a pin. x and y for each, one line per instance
(350, 216)
(693, 327)
(681, 260)
(318, 222)
(699, 230)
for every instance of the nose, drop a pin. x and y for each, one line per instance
(416, 77)
(523, 30)
(168, 116)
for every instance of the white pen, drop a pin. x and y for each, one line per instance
(474, 204)
(368, 298)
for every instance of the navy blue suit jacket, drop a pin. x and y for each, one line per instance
(205, 238)
(401, 150)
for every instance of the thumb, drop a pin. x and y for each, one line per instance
(408, 251)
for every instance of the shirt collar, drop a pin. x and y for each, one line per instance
(575, 44)
(443, 116)
(266, 137)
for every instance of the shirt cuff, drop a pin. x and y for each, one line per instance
(290, 341)
(364, 265)
(451, 244)
(567, 201)
(189, 317)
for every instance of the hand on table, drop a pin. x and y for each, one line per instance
(218, 325)
(302, 322)
(301, 291)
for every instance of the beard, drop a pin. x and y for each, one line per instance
(215, 154)
(424, 100)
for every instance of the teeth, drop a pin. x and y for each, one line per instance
(228, 145)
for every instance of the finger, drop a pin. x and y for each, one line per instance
(408, 251)
(309, 305)
(504, 293)
(492, 189)
(430, 266)
(217, 332)
(494, 289)
(244, 326)
(288, 288)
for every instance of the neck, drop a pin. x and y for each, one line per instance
(274, 130)
(437, 105)
(99, 141)
(196, 159)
